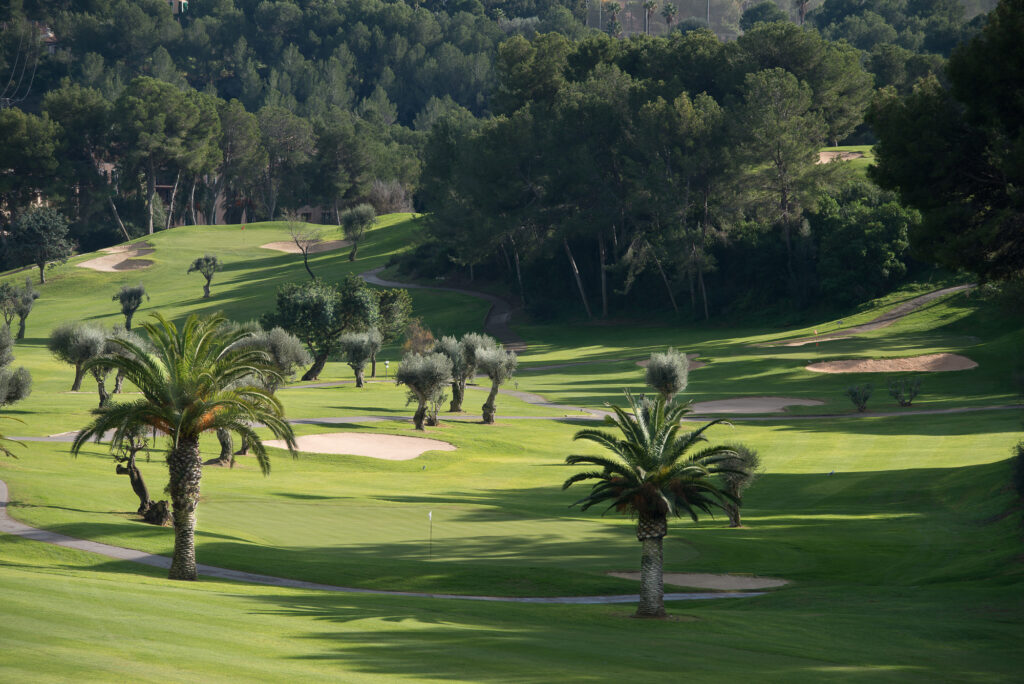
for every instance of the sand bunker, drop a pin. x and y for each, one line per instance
(289, 247)
(123, 260)
(752, 405)
(691, 360)
(387, 447)
(926, 363)
(700, 580)
(838, 155)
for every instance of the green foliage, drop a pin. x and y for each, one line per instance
(940, 146)
(905, 390)
(859, 395)
(76, 343)
(130, 298)
(763, 12)
(207, 265)
(39, 236)
(21, 302)
(15, 384)
(29, 160)
(667, 373)
(426, 376)
(499, 365)
(395, 307)
(354, 223)
(1018, 469)
(358, 349)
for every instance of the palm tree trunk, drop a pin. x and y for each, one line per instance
(186, 471)
(733, 511)
(489, 409)
(579, 281)
(650, 531)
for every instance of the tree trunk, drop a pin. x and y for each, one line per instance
(192, 199)
(170, 207)
(579, 281)
(138, 484)
(733, 511)
(118, 218)
(458, 393)
(318, 365)
(206, 289)
(604, 277)
(519, 273)
(421, 412)
(226, 457)
(650, 533)
(79, 374)
(42, 273)
(21, 327)
(101, 388)
(128, 320)
(355, 248)
(373, 365)
(305, 261)
(118, 381)
(703, 293)
(664, 278)
(186, 471)
(244, 450)
(489, 409)
(359, 376)
(150, 193)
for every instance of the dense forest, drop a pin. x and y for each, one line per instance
(592, 155)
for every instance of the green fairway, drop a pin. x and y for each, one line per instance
(900, 535)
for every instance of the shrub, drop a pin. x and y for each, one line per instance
(499, 365)
(358, 349)
(355, 222)
(905, 390)
(76, 342)
(859, 395)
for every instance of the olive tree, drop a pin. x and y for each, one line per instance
(354, 223)
(39, 236)
(453, 349)
(667, 373)
(16, 384)
(76, 343)
(124, 450)
(358, 348)
(426, 376)
(17, 302)
(130, 298)
(207, 264)
(499, 365)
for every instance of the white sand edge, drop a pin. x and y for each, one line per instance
(387, 447)
(289, 247)
(119, 261)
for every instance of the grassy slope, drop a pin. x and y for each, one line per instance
(901, 569)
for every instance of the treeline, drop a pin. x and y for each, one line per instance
(657, 173)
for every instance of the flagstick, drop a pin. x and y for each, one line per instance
(430, 544)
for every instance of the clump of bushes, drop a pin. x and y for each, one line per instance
(905, 390)
(859, 395)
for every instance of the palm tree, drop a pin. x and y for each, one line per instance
(191, 383)
(650, 474)
(649, 7)
(669, 11)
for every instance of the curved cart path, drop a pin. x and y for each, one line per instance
(10, 526)
(496, 323)
(882, 321)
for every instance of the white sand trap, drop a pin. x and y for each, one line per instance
(119, 261)
(289, 247)
(838, 155)
(926, 363)
(118, 249)
(752, 405)
(701, 580)
(387, 447)
(691, 360)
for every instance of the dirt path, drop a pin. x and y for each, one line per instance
(496, 323)
(10, 526)
(882, 321)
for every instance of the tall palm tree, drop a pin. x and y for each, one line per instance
(191, 383)
(669, 11)
(649, 7)
(650, 474)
